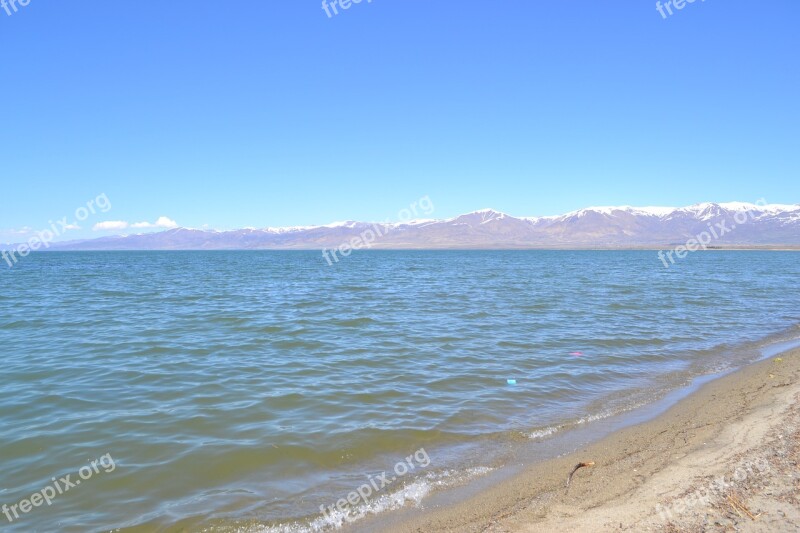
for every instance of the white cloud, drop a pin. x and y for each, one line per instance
(110, 225)
(162, 222)
(71, 227)
(16, 233)
(24, 230)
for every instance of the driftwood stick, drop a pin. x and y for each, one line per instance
(577, 466)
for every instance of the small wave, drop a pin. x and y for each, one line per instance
(544, 433)
(352, 322)
(412, 493)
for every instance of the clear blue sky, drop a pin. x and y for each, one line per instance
(268, 113)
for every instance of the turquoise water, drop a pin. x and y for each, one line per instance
(242, 390)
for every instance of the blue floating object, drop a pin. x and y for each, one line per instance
(511, 381)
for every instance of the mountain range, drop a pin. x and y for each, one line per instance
(727, 224)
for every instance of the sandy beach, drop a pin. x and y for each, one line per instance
(723, 459)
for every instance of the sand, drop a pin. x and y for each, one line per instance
(723, 459)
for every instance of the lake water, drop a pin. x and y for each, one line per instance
(241, 391)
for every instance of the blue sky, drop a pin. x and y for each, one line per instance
(253, 113)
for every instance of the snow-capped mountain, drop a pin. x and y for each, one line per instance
(732, 224)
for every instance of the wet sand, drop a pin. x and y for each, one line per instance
(723, 459)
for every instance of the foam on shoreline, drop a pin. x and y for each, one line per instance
(634, 466)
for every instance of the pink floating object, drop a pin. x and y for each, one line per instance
(577, 354)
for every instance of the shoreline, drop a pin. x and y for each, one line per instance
(478, 248)
(658, 475)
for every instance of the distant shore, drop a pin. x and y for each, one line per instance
(413, 248)
(723, 458)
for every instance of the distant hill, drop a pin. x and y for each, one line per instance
(735, 224)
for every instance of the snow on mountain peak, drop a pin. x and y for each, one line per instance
(702, 211)
(611, 210)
